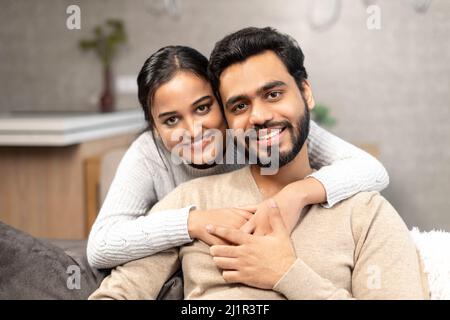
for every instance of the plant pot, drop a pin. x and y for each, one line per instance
(107, 99)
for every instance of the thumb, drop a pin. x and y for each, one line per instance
(275, 219)
(249, 226)
(250, 208)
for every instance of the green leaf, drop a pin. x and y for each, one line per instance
(105, 41)
(321, 115)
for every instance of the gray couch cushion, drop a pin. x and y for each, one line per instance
(36, 269)
(172, 289)
(33, 268)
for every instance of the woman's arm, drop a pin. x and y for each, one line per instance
(123, 230)
(343, 171)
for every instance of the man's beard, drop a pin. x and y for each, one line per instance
(298, 137)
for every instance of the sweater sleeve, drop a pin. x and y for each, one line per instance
(123, 230)
(386, 261)
(300, 282)
(344, 169)
(140, 279)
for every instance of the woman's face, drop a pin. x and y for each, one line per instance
(188, 118)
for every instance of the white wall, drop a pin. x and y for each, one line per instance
(389, 87)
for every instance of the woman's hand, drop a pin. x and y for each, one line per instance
(226, 217)
(257, 261)
(290, 200)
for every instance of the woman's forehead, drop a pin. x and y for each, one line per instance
(181, 91)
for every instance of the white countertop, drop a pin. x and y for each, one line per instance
(63, 129)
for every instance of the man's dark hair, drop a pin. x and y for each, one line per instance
(241, 45)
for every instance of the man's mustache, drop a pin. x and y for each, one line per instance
(271, 124)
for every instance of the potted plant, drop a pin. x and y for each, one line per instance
(321, 115)
(105, 43)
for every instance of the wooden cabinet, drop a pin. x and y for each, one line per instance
(43, 185)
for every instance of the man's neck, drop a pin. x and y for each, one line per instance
(295, 170)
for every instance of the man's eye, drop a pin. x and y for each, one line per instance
(171, 121)
(274, 95)
(202, 109)
(239, 107)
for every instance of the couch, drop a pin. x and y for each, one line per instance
(32, 268)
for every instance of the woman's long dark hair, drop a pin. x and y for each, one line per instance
(161, 67)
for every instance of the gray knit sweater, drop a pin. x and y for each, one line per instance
(123, 230)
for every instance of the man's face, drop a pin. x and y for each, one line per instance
(260, 94)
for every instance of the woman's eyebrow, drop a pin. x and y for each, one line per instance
(201, 99)
(165, 114)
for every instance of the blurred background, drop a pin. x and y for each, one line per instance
(380, 68)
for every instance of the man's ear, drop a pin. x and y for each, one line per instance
(308, 95)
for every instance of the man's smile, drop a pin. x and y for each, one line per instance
(269, 136)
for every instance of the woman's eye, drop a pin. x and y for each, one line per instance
(171, 121)
(274, 95)
(202, 109)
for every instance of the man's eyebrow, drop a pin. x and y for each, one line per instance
(164, 114)
(235, 99)
(270, 85)
(201, 99)
(264, 88)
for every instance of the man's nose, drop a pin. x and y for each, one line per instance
(261, 113)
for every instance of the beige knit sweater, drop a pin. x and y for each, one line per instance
(359, 249)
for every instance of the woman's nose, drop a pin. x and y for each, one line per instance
(193, 128)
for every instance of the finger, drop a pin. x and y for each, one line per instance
(258, 232)
(224, 251)
(262, 224)
(231, 276)
(235, 222)
(244, 213)
(250, 208)
(249, 226)
(226, 263)
(261, 231)
(231, 235)
(215, 241)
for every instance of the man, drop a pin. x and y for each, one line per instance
(358, 249)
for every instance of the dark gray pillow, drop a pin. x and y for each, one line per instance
(32, 268)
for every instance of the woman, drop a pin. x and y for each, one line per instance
(175, 94)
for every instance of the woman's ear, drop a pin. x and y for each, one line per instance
(308, 95)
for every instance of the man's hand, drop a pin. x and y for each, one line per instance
(257, 261)
(226, 217)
